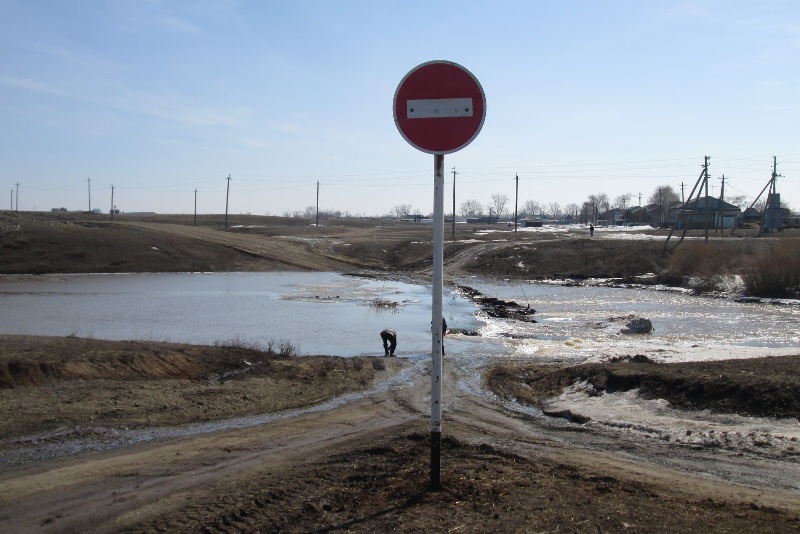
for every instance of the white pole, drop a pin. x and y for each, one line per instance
(436, 320)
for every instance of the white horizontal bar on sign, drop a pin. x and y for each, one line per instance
(436, 108)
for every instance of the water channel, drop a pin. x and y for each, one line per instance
(329, 313)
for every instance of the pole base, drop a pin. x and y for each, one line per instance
(436, 464)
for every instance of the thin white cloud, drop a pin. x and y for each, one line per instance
(175, 24)
(259, 143)
(175, 110)
(30, 85)
(172, 17)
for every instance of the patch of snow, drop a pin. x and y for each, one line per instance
(630, 413)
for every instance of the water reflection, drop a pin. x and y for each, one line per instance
(320, 313)
(584, 322)
(329, 313)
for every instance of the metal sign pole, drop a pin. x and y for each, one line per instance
(436, 320)
(439, 108)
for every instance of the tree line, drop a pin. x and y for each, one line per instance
(596, 206)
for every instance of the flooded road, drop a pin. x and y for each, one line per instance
(319, 313)
(328, 313)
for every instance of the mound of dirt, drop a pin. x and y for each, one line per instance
(44, 243)
(759, 387)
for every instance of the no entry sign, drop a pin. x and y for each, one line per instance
(439, 107)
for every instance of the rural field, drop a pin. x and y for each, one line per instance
(335, 452)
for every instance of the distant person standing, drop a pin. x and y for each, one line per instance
(591, 230)
(389, 337)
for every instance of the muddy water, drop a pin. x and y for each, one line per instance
(579, 324)
(327, 313)
(576, 324)
(320, 313)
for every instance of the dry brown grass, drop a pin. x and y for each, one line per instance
(776, 272)
(698, 258)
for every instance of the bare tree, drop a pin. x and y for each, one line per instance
(572, 209)
(555, 210)
(623, 201)
(740, 201)
(498, 204)
(588, 212)
(401, 210)
(531, 208)
(663, 197)
(604, 204)
(599, 204)
(471, 208)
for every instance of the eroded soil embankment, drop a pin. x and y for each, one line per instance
(758, 387)
(134, 384)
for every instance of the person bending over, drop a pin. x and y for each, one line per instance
(389, 337)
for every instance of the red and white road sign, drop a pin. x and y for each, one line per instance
(439, 107)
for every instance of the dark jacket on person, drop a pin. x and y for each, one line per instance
(389, 337)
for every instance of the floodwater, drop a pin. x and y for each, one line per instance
(319, 313)
(329, 313)
(583, 323)
(579, 324)
(334, 314)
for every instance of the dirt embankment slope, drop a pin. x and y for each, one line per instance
(140, 384)
(42, 243)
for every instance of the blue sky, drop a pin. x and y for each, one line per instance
(160, 98)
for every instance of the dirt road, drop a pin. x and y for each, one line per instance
(271, 477)
(290, 253)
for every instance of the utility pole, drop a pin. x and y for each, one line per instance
(516, 197)
(317, 203)
(680, 219)
(683, 200)
(17, 196)
(227, 194)
(720, 212)
(112, 202)
(775, 175)
(771, 187)
(89, 182)
(767, 219)
(705, 173)
(454, 202)
(195, 206)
